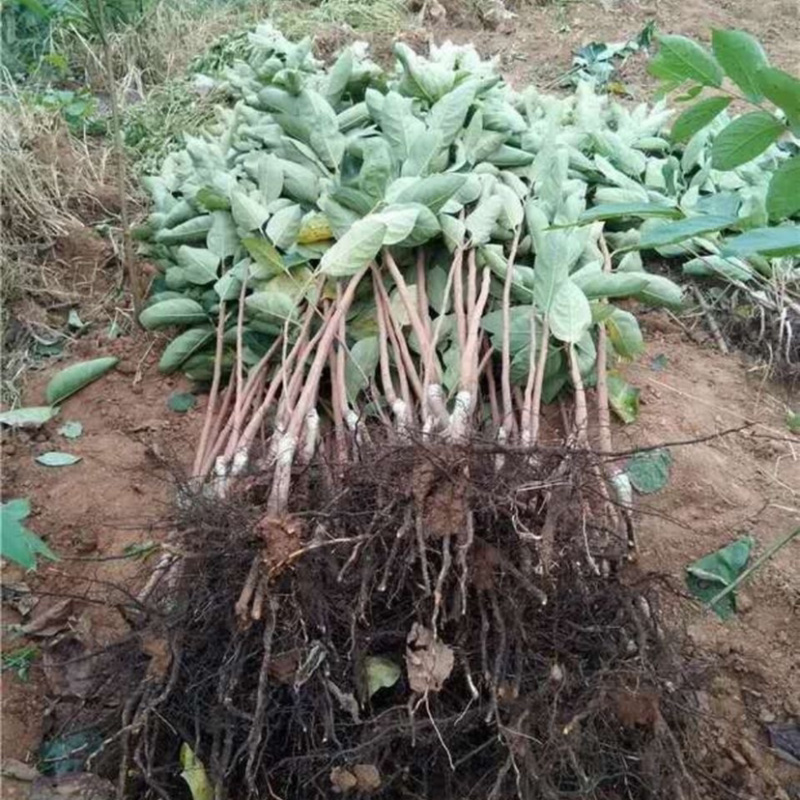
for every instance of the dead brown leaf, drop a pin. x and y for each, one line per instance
(51, 621)
(283, 668)
(363, 778)
(637, 708)
(157, 647)
(367, 776)
(343, 780)
(429, 662)
(282, 537)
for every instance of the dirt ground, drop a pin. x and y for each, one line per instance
(744, 483)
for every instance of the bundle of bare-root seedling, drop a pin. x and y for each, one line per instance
(384, 576)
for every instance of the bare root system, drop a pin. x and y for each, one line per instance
(399, 633)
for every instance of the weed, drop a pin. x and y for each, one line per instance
(20, 661)
(373, 16)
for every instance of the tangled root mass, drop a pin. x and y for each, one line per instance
(543, 674)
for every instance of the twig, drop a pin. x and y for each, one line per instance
(713, 325)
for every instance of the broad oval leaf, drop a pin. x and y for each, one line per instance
(680, 59)
(222, 239)
(248, 214)
(184, 346)
(611, 284)
(782, 89)
(609, 211)
(267, 261)
(399, 221)
(697, 117)
(284, 226)
(661, 291)
(624, 333)
(57, 459)
(433, 191)
(73, 378)
(570, 314)
(31, 417)
(674, 232)
(742, 57)
(481, 222)
(194, 230)
(783, 195)
(199, 264)
(17, 543)
(355, 249)
(782, 240)
(181, 311)
(745, 139)
(273, 306)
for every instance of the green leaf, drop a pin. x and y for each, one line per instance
(184, 346)
(793, 421)
(675, 232)
(229, 286)
(453, 231)
(56, 459)
(71, 429)
(610, 284)
(17, 543)
(222, 239)
(381, 674)
(783, 195)
(399, 124)
(718, 266)
(31, 417)
(607, 211)
(782, 240)
(783, 90)
(362, 361)
(209, 199)
(447, 115)
(356, 249)
(623, 398)
(481, 222)
(267, 260)
(648, 470)
(194, 773)
(181, 402)
(179, 311)
(199, 264)
(399, 221)
(193, 230)
(680, 59)
(742, 57)
(661, 291)
(247, 213)
(709, 575)
(433, 191)
(273, 306)
(284, 226)
(624, 333)
(570, 313)
(744, 139)
(697, 117)
(73, 378)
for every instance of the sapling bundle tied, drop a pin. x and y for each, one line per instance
(415, 256)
